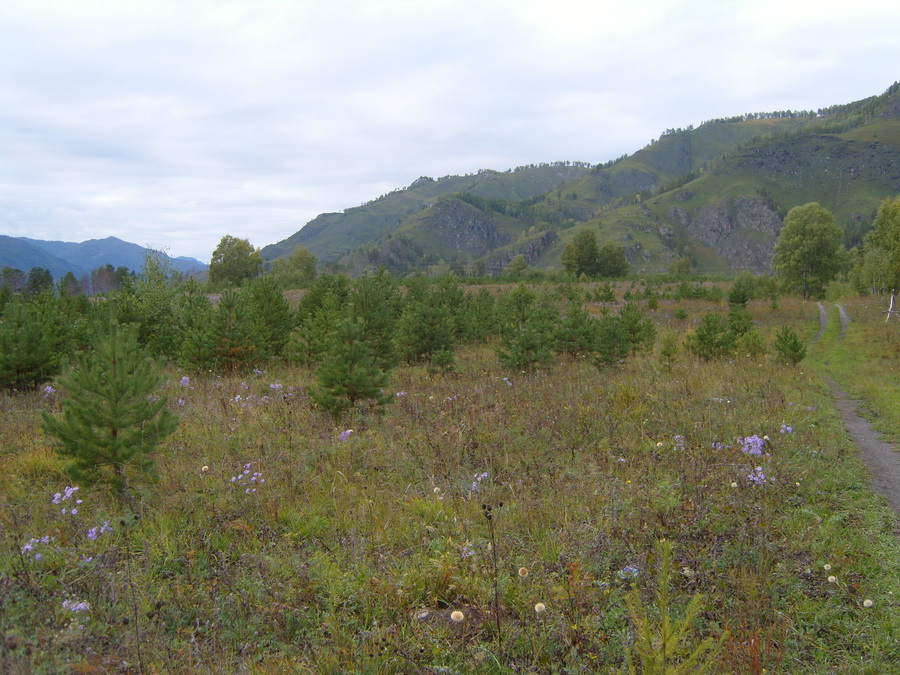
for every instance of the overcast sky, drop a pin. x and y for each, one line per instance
(173, 123)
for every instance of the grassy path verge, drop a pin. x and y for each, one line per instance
(866, 361)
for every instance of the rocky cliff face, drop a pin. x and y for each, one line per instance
(530, 249)
(470, 232)
(743, 230)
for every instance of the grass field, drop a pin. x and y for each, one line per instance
(490, 521)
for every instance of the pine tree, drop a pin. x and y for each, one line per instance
(375, 302)
(576, 333)
(612, 341)
(349, 373)
(788, 346)
(269, 316)
(479, 319)
(526, 335)
(423, 329)
(640, 329)
(314, 331)
(155, 294)
(195, 319)
(231, 343)
(319, 310)
(112, 419)
(712, 339)
(28, 354)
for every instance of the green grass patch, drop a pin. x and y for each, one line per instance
(273, 543)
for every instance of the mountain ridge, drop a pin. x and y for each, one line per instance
(716, 193)
(81, 258)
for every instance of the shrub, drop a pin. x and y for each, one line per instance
(788, 346)
(751, 344)
(612, 341)
(668, 348)
(712, 338)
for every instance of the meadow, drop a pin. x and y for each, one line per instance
(488, 521)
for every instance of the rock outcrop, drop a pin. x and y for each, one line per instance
(470, 232)
(530, 249)
(743, 230)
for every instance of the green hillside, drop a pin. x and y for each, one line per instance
(716, 193)
(331, 235)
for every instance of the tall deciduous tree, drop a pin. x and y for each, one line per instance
(12, 278)
(233, 261)
(582, 256)
(611, 261)
(808, 252)
(516, 267)
(296, 269)
(882, 244)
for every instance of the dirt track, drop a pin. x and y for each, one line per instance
(880, 457)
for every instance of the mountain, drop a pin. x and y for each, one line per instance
(332, 235)
(21, 255)
(81, 258)
(716, 193)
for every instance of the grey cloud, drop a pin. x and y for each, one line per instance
(177, 123)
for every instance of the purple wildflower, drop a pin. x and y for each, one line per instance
(95, 532)
(345, 435)
(66, 494)
(478, 478)
(628, 572)
(248, 478)
(30, 546)
(785, 429)
(757, 477)
(752, 445)
(74, 606)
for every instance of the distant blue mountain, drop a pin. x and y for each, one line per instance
(81, 258)
(21, 255)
